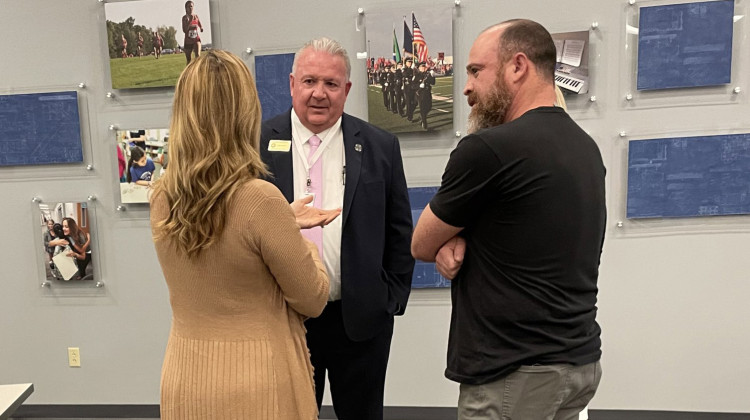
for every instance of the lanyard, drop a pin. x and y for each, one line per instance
(318, 153)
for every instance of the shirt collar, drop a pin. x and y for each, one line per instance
(299, 131)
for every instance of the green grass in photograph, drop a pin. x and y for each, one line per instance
(443, 87)
(439, 118)
(146, 71)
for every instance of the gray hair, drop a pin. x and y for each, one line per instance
(325, 45)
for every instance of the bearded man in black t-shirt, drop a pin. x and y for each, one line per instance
(518, 225)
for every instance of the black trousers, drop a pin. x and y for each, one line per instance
(356, 370)
(83, 264)
(411, 104)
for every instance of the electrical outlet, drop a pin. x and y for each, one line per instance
(74, 357)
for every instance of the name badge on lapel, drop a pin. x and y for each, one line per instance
(279, 145)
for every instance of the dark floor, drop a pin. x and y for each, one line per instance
(391, 413)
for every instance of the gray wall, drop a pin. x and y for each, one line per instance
(673, 299)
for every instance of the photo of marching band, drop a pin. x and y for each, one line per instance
(410, 81)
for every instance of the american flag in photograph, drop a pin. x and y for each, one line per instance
(419, 42)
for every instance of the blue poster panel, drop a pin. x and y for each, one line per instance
(272, 80)
(425, 274)
(40, 129)
(689, 176)
(685, 45)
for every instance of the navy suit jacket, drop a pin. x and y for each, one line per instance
(376, 261)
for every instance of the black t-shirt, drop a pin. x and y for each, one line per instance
(137, 134)
(530, 197)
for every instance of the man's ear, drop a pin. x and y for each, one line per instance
(521, 66)
(291, 84)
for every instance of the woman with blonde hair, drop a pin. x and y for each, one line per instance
(560, 99)
(241, 278)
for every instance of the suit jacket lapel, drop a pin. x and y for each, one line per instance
(281, 165)
(353, 149)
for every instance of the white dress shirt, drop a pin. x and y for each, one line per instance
(333, 162)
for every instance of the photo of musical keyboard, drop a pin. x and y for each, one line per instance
(573, 83)
(572, 68)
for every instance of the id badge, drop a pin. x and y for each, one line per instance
(279, 145)
(312, 203)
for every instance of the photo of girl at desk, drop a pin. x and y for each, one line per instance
(142, 157)
(140, 167)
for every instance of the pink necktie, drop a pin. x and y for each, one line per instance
(316, 187)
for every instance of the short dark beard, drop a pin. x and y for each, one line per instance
(490, 111)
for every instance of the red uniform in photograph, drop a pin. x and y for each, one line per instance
(192, 35)
(158, 41)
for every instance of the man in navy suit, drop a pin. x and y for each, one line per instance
(367, 250)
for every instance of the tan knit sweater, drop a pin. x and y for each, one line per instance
(237, 348)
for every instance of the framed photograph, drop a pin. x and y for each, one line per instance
(66, 231)
(410, 69)
(572, 67)
(142, 157)
(151, 41)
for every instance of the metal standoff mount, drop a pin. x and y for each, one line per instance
(121, 208)
(458, 134)
(457, 2)
(619, 223)
(622, 134)
(92, 197)
(631, 2)
(82, 85)
(737, 90)
(629, 97)
(110, 95)
(99, 284)
(248, 50)
(112, 127)
(36, 200)
(89, 167)
(45, 284)
(592, 98)
(361, 11)
(594, 25)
